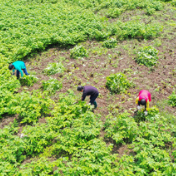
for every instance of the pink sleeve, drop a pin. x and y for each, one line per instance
(149, 96)
(140, 92)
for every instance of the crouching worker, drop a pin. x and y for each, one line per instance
(89, 90)
(143, 98)
(19, 66)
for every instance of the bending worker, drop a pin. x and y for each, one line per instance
(143, 99)
(19, 66)
(89, 90)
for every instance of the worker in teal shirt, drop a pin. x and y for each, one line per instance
(19, 66)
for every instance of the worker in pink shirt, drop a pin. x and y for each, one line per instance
(143, 98)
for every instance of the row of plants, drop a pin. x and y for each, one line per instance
(69, 135)
(151, 142)
(122, 5)
(28, 28)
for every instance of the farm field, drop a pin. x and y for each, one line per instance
(120, 47)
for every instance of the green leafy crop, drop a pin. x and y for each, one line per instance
(114, 12)
(51, 85)
(78, 51)
(54, 68)
(110, 43)
(136, 29)
(172, 99)
(117, 83)
(173, 3)
(152, 112)
(28, 80)
(147, 56)
(121, 128)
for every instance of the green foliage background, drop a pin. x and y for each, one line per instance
(69, 141)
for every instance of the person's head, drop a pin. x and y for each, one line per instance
(80, 88)
(11, 67)
(143, 102)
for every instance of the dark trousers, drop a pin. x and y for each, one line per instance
(24, 70)
(92, 100)
(139, 103)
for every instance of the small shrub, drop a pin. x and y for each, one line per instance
(111, 43)
(150, 11)
(117, 83)
(172, 99)
(51, 85)
(54, 68)
(147, 56)
(121, 129)
(78, 51)
(157, 5)
(28, 80)
(139, 116)
(173, 3)
(136, 29)
(114, 12)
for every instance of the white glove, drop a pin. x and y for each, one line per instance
(22, 135)
(145, 113)
(138, 107)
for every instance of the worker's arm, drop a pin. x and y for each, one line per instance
(13, 71)
(83, 96)
(137, 99)
(147, 105)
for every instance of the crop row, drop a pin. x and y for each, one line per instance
(27, 28)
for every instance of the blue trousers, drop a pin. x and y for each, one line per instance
(24, 70)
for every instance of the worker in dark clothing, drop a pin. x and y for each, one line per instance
(19, 66)
(89, 90)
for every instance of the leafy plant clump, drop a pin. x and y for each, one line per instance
(117, 83)
(78, 51)
(150, 11)
(173, 3)
(114, 12)
(121, 129)
(172, 99)
(28, 80)
(51, 85)
(54, 68)
(111, 43)
(152, 112)
(147, 56)
(136, 29)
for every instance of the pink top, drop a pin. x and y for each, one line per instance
(144, 94)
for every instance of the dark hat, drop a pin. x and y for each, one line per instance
(143, 102)
(10, 67)
(79, 88)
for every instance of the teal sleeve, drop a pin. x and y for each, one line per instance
(13, 70)
(19, 69)
(21, 72)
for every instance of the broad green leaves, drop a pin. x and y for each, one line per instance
(147, 56)
(117, 83)
(54, 68)
(78, 51)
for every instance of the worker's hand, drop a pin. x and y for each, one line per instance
(145, 113)
(138, 107)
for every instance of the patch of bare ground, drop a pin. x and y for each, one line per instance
(93, 71)
(6, 119)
